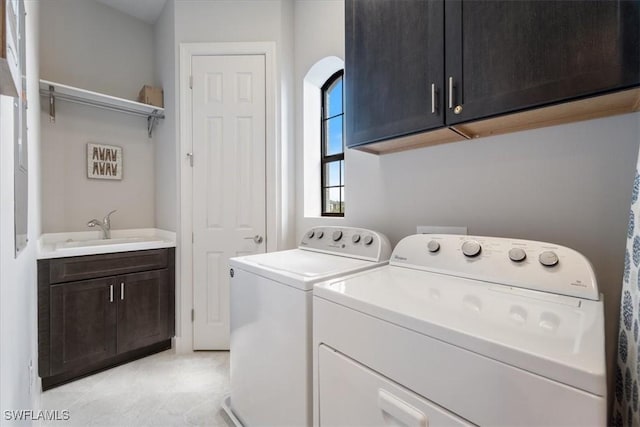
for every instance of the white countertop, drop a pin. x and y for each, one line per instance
(79, 243)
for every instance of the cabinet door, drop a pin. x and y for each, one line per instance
(505, 56)
(83, 324)
(394, 54)
(143, 309)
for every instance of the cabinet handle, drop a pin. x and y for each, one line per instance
(110, 293)
(122, 290)
(433, 98)
(450, 92)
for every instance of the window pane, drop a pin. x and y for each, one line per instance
(333, 136)
(332, 203)
(333, 100)
(332, 176)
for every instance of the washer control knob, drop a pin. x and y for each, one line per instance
(548, 258)
(337, 235)
(355, 238)
(320, 234)
(471, 248)
(517, 254)
(368, 240)
(433, 246)
(310, 234)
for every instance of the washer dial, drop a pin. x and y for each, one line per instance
(337, 235)
(548, 258)
(368, 240)
(471, 248)
(320, 234)
(355, 238)
(310, 234)
(517, 254)
(433, 246)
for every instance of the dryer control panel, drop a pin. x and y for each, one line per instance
(347, 241)
(520, 263)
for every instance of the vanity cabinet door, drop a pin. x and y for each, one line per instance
(143, 309)
(83, 324)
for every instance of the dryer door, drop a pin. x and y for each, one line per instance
(352, 394)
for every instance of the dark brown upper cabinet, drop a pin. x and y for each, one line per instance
(394, 68)
(505, 56)
(423, 72)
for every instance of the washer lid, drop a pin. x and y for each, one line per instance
(300, 268)
(555, 336)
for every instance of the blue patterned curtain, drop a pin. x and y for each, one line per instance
(625, 406)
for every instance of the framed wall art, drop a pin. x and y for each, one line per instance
(104, 161)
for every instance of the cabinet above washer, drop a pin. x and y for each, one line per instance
(421, 72)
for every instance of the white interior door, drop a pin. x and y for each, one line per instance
(229, 210)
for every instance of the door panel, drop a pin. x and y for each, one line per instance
(229, 206)
(83, 324)
(394, 54)
(507, 55)
(143, 309)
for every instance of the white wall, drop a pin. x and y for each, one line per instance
(319, 33)
(568, 184)
(91, 46)
(95, 47)
(18, 302)
(165, 137)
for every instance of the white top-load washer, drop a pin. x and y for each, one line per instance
(461, 330)
(271, 301)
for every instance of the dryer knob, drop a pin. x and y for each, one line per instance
(319, 234)
(548, 258)
(368, 240)
(433, 246)
(355, 238)
(517, 254)
(337, 235)
(471, 248)
(310, 234)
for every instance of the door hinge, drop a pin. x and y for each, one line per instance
(193, 315)
(190, 82)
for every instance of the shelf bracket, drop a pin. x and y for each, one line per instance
(52, 105)
(151, 122)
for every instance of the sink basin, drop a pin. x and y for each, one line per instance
(81, 243)
(72, 244)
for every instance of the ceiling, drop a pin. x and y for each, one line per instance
(145, 10)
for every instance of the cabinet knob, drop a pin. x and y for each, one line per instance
(458, 109)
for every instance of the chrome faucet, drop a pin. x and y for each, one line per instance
(105, 224)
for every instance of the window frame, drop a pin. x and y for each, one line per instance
(324, 158)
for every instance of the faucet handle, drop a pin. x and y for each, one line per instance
(107, 219)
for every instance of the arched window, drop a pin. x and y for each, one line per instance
(332, 146)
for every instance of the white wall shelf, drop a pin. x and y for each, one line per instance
(86, 97)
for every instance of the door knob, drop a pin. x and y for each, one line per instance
(257, 239)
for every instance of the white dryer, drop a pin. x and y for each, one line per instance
(461, 330)
(271, 301)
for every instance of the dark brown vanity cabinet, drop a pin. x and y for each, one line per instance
(443, 66)
(104, 318)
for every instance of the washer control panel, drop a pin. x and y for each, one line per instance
(520, 263)
(348, 241)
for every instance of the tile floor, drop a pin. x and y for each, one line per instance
(164, 389)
